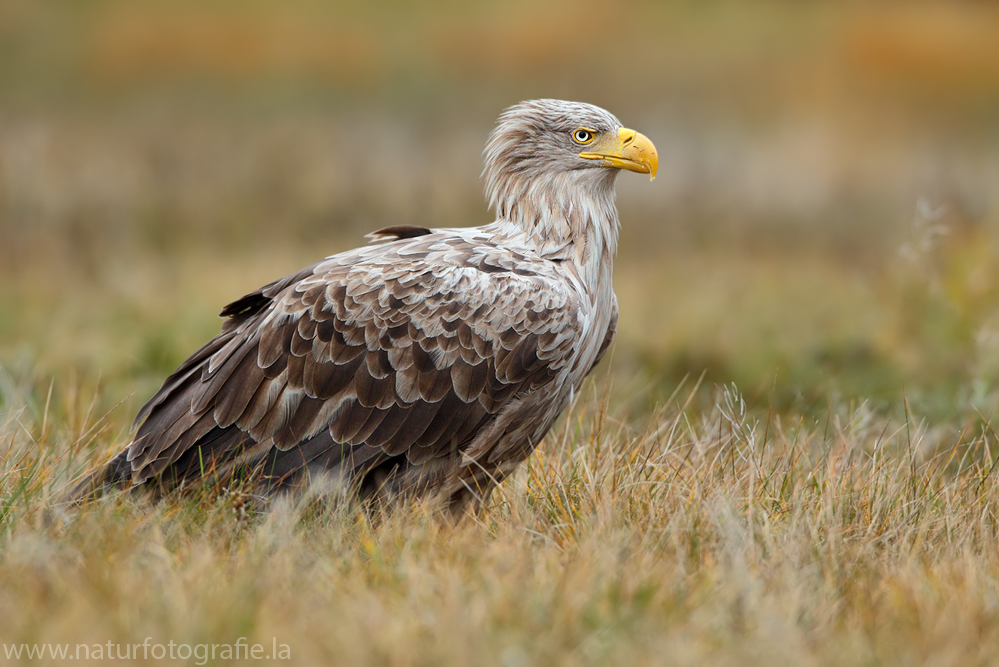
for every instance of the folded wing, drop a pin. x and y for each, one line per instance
(392, 355)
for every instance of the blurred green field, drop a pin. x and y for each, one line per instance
(823, 236)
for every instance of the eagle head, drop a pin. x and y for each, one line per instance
(557, 145)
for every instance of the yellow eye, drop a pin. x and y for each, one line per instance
(582, 136)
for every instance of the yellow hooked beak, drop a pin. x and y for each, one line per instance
(628, 150)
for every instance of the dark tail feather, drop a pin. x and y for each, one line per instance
(114, 476)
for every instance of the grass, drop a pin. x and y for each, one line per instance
(698, 537)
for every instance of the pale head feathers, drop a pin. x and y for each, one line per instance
(536, 182)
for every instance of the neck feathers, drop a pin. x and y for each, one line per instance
(567, 215)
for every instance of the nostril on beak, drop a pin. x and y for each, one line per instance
(626, 136)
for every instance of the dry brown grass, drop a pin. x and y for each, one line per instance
(699, 537)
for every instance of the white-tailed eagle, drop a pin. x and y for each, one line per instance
(431, 363)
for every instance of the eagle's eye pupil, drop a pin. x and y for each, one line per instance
(582, 136)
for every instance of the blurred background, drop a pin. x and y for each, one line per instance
(822, 231)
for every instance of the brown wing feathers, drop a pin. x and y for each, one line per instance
(340, 367)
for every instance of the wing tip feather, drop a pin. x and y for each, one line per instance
(396, 233)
